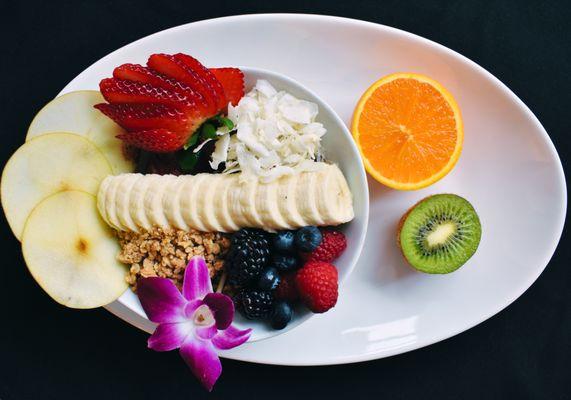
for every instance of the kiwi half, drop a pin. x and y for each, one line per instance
(439, 234)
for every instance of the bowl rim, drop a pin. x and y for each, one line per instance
(121, 306)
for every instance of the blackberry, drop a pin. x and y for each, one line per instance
(254, 304)
(248, 255)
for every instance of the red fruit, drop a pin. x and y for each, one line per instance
(143, 116)
(139, 73)
(156, 140)
(287, 289)
(232, 80)
(120, 91)
(331, 247)
(168, 65)
(209, 78)
(317, 284)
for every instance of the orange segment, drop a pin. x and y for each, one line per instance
(409, 131)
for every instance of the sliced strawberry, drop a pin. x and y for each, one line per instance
(143, 116)
(120, 91)
(139, 73)
(168, 65)
(232, 80)
(156, 140)
(209, 78)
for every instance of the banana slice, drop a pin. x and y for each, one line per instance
(267, 205)
(122, 201)
(234, 206)
(306, 199)
(208, 191)
(137, 201)
(287, 201)
(189, 200)
(153, 201)
(111, 203)
(333, 197)
(171, 203)
(248, 193)
(221, 205)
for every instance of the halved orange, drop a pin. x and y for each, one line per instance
(409, 131)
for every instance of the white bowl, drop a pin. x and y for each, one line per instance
(338, 147)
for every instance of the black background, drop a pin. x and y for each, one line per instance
(49, 352)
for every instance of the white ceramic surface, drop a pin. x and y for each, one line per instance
(509, 170)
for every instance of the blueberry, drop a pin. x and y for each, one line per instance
(284, 241)
(308, 238)
(285, 263)
(269, 279)
(281, 314)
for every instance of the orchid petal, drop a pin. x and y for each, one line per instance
(222, 307)
(230, 338)
(203, 361)
(169, 336)
(206, 332)
(197, 282)
(161, 300)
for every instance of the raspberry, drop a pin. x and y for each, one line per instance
(286, 289)
(331, 247)
(317, 285)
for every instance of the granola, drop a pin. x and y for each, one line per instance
(166, 252)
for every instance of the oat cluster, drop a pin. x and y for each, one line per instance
(166, 252)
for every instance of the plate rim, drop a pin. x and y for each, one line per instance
(549, 252)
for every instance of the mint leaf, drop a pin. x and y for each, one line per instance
(187, 161)
(227, 123)
(192, 141)
(208, 131)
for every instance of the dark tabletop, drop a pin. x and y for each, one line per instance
(50, 352)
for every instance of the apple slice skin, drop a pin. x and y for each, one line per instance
(73, 112)
(45, 165)
(71, 252)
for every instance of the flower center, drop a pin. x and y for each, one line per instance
(203, 316)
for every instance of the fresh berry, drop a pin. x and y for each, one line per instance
(284, 242)
(170, 66)
(249, 254)
(308, 238)
(157, 140)
(287, 289)
(269, 279)
(254, 304)
(207, 75)
(317, 283)
(281, 314)
(284, 262)
(332, 246)
(232, 80)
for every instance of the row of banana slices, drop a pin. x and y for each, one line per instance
(221, 203)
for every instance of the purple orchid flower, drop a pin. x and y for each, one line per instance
(197, 320)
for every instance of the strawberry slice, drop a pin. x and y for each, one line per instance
(155, 140)
(120, 91)
(139, 73)
(209, 78)
(144, 116)
(232, 80)
(168, 65)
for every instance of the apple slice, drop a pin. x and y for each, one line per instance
(46, 165)
(74, 113)
(71, 253)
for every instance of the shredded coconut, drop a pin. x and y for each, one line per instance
(276, 135)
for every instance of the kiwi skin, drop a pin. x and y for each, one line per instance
(404, 218)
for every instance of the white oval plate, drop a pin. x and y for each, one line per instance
(509, 170)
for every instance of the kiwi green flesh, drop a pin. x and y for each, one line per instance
(440, 234)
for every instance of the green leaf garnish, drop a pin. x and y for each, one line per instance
(208, 131)
(227, 122)
(192, 141)
(187, 161)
